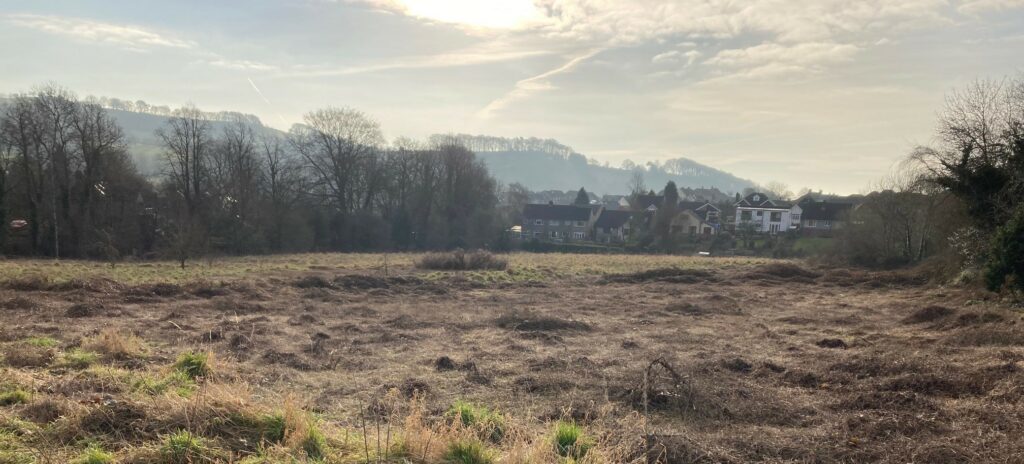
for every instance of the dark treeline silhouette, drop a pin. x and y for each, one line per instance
(69, 188)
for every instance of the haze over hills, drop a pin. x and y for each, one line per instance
(546, 164)
(538, 164)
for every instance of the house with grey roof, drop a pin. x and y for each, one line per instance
(559, 223)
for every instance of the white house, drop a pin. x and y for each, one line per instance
(766, 215)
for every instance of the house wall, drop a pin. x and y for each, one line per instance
(683, 222)
(563, 230)
(613, 235)
(764, 223)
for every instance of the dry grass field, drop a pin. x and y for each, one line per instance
(618, 358)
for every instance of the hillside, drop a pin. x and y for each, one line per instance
(140, 130)
(545, 164)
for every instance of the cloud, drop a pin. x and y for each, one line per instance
(532, 85)
(686, 58)
(488, 53)
(130, 37)
(976, 7)
(774, 58)
(487, 14)
(241, 65)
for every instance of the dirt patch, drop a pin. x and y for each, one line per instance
(666, 274)
(887, 400)
(45, 411)
(935, 385)
(738, 365)
(976, 319)
(929, 314)
(312, 281)
(161, 290)
(26, 355)
(832, 343)
(530, 322)
(713, 304)
(19, 302)
(87, 309)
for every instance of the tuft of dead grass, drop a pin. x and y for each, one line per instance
(116, 344)
(460, 260)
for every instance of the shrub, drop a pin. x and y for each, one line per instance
(571, 441)
(115, 344)
(182, 447)
(194, 365)
(95, 455)
(489, 423)
(459, 260)
(1006, 257)
(14, 396)
(468, 452)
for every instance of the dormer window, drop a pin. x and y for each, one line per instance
(757, 197)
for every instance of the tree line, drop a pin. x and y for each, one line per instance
(68, 187)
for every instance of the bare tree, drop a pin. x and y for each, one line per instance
(187, 145)
(636, 183)
(336, 144)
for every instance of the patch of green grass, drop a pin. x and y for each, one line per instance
(182, 447)
(272, 427)
(12, 451)
(78, 359)
(314, 444)
(179, 381)
(194, 365)
(489, 423)
(468, 452)
(95, 454)
(14, 396)
(571, 440)
(42, 342)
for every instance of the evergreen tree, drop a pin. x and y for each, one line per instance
(582, 198)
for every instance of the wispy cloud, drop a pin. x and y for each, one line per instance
(538, 83)
(774, 58)
(469, 57)
(976, 7)
(686, 58)
(241, 65)
(126, 36)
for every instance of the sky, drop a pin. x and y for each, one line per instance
(824, 94)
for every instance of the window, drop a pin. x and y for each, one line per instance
(760, 213)
(796, 218)
(554, 234)
(536, 234)
(826, 223)
(776, 216)
(812, 223)
(552, 222)
(693, 230)
(568, 222)
(538, 222)
(580, 223)
(744, 215)
(579, 235)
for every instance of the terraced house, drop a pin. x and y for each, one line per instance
(559, 222)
